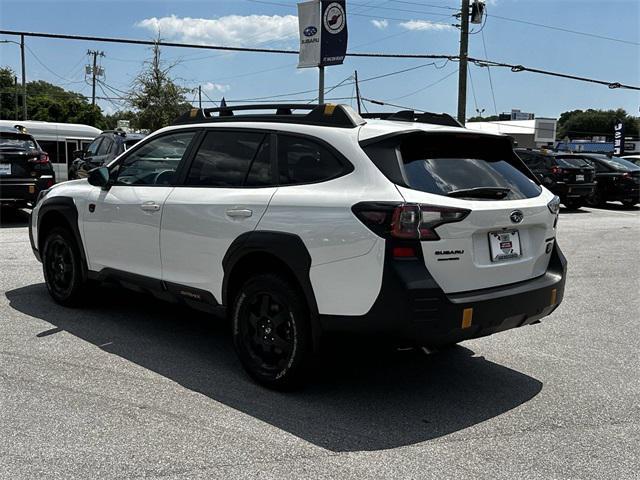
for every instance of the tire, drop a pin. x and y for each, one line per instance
(595, 200)
(63, 268)
(573, 204)
(271, 331)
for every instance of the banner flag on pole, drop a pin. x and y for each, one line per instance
(323, 33)
(618, 138)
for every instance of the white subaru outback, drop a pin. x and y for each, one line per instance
(300, 224)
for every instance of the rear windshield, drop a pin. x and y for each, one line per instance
(572, 162)
(452, 164)
(130, 143)
(621, 164)
(16, 141)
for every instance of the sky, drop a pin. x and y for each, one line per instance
(374, 26)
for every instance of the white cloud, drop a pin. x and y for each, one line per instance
(215, 87)
(237, 30)
(425, 25)
(381, 24)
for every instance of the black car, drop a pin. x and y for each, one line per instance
(104, 148)
(617, 180)
(25, 169)
(569, 176)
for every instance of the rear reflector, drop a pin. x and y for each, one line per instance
(467, 317)
(404, 252)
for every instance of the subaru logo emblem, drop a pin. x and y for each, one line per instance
(310, 31)
(516, 216)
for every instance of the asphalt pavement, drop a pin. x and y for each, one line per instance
(130, 387)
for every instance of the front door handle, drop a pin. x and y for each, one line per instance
(239, 213)
(150, 206)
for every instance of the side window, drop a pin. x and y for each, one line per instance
(599, 167)
(224, 158)
(260, 174)
(156, 162)
(93, 147)
(301, 160)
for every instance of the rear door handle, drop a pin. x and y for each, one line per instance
(150, 206)
(239, 213)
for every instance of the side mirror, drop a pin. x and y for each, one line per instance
(78, 154)
(99, 177)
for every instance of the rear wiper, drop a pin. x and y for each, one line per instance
(481, 192)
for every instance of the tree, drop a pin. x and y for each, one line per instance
(586, 124)
(8, 95)
(157, 99)
(47, 102)
(490, 118)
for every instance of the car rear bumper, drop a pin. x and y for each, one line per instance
(22, 190)
(574, 191)
(411, 307)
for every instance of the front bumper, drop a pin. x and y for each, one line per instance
(412, 308)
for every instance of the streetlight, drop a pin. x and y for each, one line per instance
(24, 80)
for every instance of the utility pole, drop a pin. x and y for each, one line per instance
(24, 79)
(464, 57)
(200, 97)
(321, 85)
(94, 73)
(15, 94)
(357, 91)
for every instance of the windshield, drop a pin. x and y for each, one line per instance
(16, 141)
(572, 162)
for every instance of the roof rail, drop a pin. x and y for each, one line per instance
(411, 116)
(330, 115)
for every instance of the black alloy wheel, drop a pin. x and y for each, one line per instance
(62, 267)
(271, 331)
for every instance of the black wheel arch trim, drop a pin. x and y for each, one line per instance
(287, 248)
(66, 207)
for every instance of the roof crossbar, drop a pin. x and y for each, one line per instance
(330, 115)
(411, 116)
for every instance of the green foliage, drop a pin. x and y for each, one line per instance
(47, 102)
(490, 118)
(577, 124)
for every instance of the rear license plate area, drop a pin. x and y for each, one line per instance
(5, 169)
(579, 178)
(504, 245)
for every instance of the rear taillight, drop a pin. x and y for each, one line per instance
(39, 158)
(557, 170)
(407, 221)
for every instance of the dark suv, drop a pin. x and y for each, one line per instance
(25, 168)
(618, 180)
(106, 146)
(569, 176)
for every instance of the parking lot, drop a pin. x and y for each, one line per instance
(130, 387)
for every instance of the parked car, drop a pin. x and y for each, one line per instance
(617, 180)
(25, 169)
(632, 158)
(106, 146)
(297, 225)
(568, 176)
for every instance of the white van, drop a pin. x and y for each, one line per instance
(59, 140)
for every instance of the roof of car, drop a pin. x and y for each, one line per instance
(5, 129)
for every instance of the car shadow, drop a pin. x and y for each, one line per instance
(13, 217)
(359, 398)
(619, 206)
(571, 211)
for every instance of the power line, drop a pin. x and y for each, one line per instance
(561, 29)
(479, 62)
(493, 95)
(426, 87)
